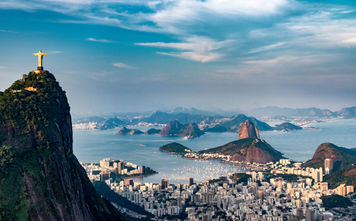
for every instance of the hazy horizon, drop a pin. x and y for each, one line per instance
(135, 56)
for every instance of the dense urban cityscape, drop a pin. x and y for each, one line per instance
(277, 191)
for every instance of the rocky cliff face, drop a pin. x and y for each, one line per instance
(248, 130)
(248, 150)
(41, 179)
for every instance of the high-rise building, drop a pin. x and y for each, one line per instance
(349, 189)
(298, 204)
(310, 215)
(341, 190)
(324, 186)
(284, 161)
(128, 182)
(191, 181)
(260, 194)
(140, 169)
(318, 175)
(164, 183)
(119, 167)
(104, 176)
(105, 162)
(328, 165)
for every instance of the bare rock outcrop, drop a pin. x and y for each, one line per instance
(248, 130)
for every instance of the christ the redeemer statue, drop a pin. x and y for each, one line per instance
(40, 55)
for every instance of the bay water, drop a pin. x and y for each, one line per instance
(94, 145)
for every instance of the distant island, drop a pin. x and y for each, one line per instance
(192, 130)
(172, 129)
(175, 148)
(175, 128)
(286, 126)
(152, 131)
(125, 131)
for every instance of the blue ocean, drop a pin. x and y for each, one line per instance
(94, 145)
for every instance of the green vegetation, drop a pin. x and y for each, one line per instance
(27, 111)
(175, 148)
(26, 121)
(13, 205)
(286, 177)
(333, 201)
(241, 177)
(218, 180)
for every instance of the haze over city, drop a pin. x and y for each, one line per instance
(119, 56)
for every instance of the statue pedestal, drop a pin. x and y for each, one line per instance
(39, 70)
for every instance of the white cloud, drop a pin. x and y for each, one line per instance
(98, 40)
(324, 29)
(315, 25)
(178, 16)
(268, 47)
(350, 40)
(195, 48)
(122, 65)
(207, 57)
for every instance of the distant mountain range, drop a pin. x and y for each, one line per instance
(213, 122)
(348, 112)
(164, 117)
(272, 111)
(233, 124)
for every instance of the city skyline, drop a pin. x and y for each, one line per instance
(121, 56)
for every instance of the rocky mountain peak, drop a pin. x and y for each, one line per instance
(248, 130)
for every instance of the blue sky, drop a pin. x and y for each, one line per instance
(138, 55)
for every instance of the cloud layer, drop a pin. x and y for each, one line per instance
(220, 51)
